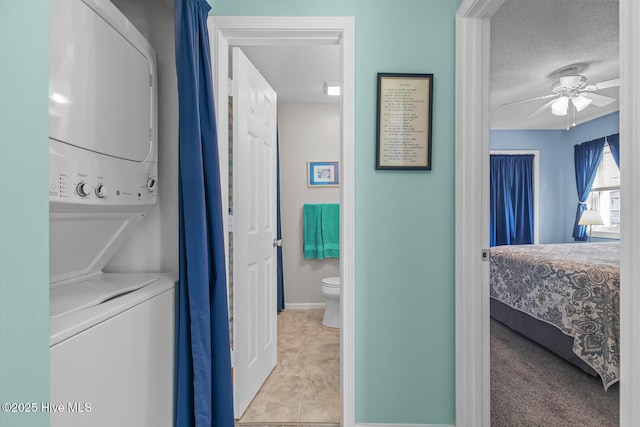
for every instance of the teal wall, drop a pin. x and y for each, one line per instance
(24, 218)
(405, 310)
(405, 220)
(558, 198)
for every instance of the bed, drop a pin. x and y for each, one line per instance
(565, 297)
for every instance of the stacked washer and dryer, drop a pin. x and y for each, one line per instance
(112, 334)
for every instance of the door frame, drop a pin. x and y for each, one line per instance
(228, 31)
(472, 196)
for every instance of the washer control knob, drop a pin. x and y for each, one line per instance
(102, 191)
(151, 184)
(83, 189)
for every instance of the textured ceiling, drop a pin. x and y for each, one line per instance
(530, 39)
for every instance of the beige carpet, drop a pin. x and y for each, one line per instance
(531, 386)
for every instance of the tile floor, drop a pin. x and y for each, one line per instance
(304, 387)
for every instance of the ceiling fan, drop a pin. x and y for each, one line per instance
(572, 90)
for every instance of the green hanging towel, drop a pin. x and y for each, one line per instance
(312, 245)
(330, 230)
(321, 230)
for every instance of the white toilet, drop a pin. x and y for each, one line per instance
(331, 290)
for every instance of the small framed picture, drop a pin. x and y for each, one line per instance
(323, 174)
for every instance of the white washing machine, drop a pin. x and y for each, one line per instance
(112, 334)
(112, 355)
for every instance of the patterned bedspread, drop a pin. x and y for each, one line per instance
(574, 286)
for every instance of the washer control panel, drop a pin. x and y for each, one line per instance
(82, 177)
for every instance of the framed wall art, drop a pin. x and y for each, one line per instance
(403, 134)
(323, 174)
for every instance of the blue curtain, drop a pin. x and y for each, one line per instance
(280, 287)
(614, 145)
(587, 157)
(511, 199)
(204, 394)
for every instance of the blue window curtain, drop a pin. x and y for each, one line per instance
(511, 199)
(204, 394)
(280, 286)
(587, 157)
(614, 145)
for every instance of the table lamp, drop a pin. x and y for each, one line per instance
(590, 218)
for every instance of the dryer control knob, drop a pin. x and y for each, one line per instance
(83, 189)
(102, 191)
(151, 184)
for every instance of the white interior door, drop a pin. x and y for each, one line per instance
(254, 231)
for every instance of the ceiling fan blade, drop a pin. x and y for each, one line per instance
(541, 109)
(602, 85)
(551, 95)
(599, 100)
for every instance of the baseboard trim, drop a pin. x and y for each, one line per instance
(304, 306)
(401, 425)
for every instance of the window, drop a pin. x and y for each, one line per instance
(605, 197)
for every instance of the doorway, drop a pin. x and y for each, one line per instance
(472, 274)
(226, 32)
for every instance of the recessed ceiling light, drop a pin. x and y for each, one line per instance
(332, 88)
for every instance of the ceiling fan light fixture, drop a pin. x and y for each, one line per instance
(559, 106)
(580, 102)
(572, 82)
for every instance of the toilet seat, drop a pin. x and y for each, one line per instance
(331, 282)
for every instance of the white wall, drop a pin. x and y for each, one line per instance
(154, 244)
(307, 132)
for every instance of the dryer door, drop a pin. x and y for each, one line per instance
(100, 94)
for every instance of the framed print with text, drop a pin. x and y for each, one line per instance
(403, 134)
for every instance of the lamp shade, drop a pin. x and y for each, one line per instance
(581, 102)
(559, 106)
(591, 217)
